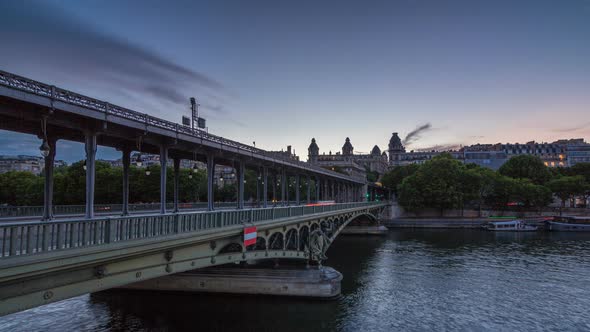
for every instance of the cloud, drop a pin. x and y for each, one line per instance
(415, 134)
(582, 126)
(441, 147)
(42, 38)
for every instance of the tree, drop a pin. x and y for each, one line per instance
(435, 184)
(395, 176)
(567, 187)
(479, 182)
(526, 167)
(582, 169)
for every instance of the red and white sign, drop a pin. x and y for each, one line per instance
(249, 235)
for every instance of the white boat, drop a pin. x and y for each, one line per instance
(516, 225)
(569, 224)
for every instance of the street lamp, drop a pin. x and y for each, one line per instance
(195, 168)
(84, 165)
(44, 148)
(148, 172)
(138, 161)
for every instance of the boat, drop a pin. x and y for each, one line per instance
(516, 225)
(569, 224)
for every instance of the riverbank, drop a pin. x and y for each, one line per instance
(435, 222)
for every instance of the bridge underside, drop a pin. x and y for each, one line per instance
(29, 281)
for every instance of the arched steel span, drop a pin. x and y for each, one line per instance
(28, 281)
(291, 242)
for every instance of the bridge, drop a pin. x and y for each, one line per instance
(51, 259)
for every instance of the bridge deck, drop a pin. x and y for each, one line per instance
(30, 238)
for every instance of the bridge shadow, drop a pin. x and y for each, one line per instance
(135, 310)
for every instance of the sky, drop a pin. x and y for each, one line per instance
(281, 72)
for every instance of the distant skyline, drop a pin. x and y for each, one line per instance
(282, 73)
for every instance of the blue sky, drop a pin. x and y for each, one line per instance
(280, 73)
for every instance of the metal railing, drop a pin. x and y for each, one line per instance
(65, 210)
(73, 210)
(27, 238)
(54, 93)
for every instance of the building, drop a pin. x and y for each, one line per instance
(355, 165)
(561, 153)
(577, 152)
(285, 154)
(25, 163)
(486, 155)
(399, 157)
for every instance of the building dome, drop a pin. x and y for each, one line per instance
(313, 148)
(376, 151)
(347, 147)
(395, 144)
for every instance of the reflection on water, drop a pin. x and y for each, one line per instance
(410, 280)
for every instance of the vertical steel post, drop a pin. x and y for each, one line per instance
(163, 169)
(210, 174)
(297, 190)
(265, 186)
(274, 187)
(126, 158)
(90, 148)
(308, 189)
(176, 182)
(48, 189)
(283, 185)
(241, 178)
(318, 185)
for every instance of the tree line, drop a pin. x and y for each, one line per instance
(18, 188)
(522, 182)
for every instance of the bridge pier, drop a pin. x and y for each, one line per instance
(322, 283)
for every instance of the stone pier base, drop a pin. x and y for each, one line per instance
(324, 283)
(364, 230)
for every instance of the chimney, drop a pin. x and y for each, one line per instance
(289, 149)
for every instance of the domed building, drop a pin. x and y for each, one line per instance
(347, 148)
(313, 152)
(353, 164)
(396, 150)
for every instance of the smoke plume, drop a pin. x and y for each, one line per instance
(415, 134)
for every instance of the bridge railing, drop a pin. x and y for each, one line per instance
(27, 238)
(54, 93)
(65, 210)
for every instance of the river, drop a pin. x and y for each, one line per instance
(414, 280)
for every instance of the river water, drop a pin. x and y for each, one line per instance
(416, 280)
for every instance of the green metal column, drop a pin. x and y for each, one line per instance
(90, 147)
(297, 190)
(241, 179)
(176, 182)
(48, 187)
(210, 174)
(265, 186)
(126, 158)
(163, 168)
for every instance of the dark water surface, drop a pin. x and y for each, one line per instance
(408, 281)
